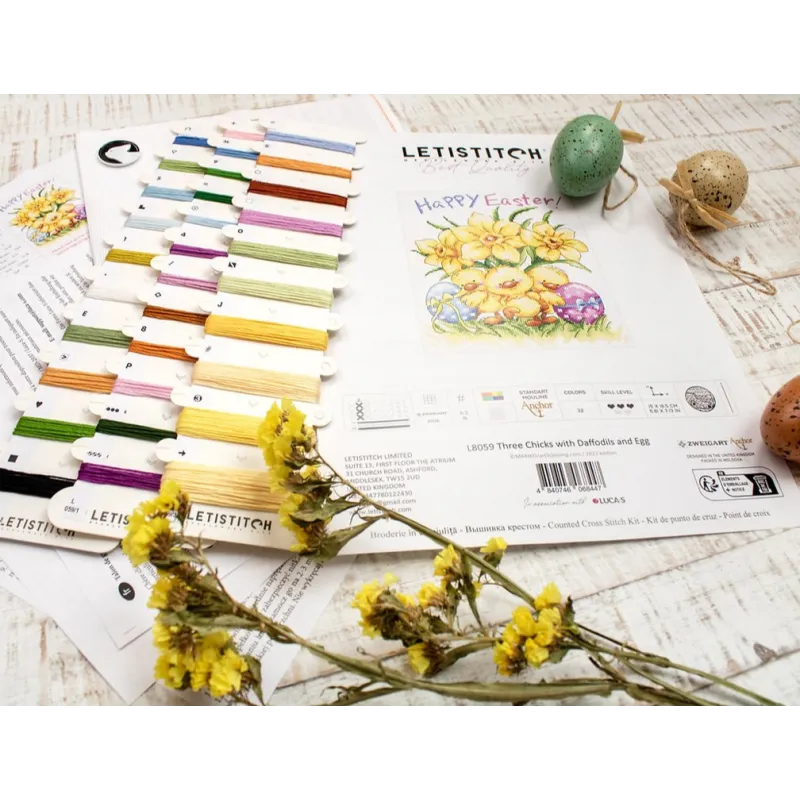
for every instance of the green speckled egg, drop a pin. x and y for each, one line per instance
(719, 180)
(586, 155)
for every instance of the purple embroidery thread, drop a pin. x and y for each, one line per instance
(189, 283)
(289, 223)
(116, 476)
(198, 252)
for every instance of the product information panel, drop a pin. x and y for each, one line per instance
(516, 363)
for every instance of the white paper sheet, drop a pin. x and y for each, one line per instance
(9, 580)
(39, 267)
(128, 670)
(43, 245)
(462, 406)
(118, 592)
(295, 594)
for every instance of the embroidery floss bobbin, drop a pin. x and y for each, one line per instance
(32, 485)
(234, 488)
(117, 476)
(262, 382)
(266, 332)
(52, 429)
(200, 423)
(75, 379)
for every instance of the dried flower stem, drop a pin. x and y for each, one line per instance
(248, 617)
(626, 653)
(197, 613)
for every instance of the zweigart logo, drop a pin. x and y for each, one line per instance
(443, 151)
(704, 443)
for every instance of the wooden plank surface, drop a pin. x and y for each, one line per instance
(729, 604)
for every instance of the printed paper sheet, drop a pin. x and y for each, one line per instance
(43, 245)
(516, 363)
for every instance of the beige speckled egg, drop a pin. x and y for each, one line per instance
(719, 179)
(780, 422)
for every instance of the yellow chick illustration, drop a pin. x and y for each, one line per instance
(513, 285)
(545, 281)
(508, 282)
(473, 284)
(509, 286)
(525, 306)
(500, 293)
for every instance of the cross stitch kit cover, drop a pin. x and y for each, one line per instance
(515, 362)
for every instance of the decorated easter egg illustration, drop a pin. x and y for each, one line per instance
(719, 180)
(585, 156)
(582, 304)
(444, 304)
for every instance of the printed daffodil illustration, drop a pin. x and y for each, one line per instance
(49, 214)
(444, 252)
(510, 279)
(59, 196)
(555, 245)
(483, 237)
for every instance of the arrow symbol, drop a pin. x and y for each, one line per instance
(118, 153)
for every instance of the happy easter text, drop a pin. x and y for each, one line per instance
(491, 200)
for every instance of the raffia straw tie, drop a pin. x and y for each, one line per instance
(715, 218)
(627, 136)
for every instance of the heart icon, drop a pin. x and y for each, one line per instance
(611, 405)
(241, 456)
(630, 405)
(253, 402)
(263, 353)
(620, 405)
(39, 403)
(166, 416)
(180, 375)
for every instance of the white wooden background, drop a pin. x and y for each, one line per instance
(728, 604)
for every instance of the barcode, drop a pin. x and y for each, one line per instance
(556, 474)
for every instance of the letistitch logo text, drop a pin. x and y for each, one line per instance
(443, 151)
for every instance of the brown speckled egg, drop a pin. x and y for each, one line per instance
(780, 422)
(719, 180)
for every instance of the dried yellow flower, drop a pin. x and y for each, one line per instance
(447, 564)
(535, 654)
(549, 596)
(497, 544)
(144, 535)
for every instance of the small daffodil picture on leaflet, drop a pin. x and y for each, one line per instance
(49, 214)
